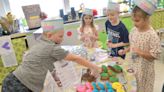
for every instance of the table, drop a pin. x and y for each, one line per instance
(131, 81)
(130, 86)
(101, 59)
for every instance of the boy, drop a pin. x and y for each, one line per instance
(116, 30)
(30, 75)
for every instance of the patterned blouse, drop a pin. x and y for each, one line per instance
(144, 70)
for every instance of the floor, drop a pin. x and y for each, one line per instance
(159, 76)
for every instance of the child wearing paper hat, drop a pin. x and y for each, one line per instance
(30, 75)
(148, 6)
(113, 6)
(88, 30)
(88, 12)
(144, 46)
(116, 31)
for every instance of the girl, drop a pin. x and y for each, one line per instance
(88, 32)
(144, 46)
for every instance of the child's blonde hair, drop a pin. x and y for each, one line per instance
(83, 22)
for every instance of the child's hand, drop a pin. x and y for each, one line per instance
(111, 45)
(93, 37)
(96, 72)
(138, 51)
(83, 37)
(121, 52)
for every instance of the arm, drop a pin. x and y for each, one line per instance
(95, 34)
(58, 53)
(80, 33)
(154, 51)
(144, 54)
(123, 52)
(115, 45)
(82, 61)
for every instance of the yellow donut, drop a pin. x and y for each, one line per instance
(120, 90)
(116, 85)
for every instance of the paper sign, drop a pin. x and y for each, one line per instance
(9, 60)
(71, 38)
(67, 73)
(32, 14)
(7, 52)
(50, 85)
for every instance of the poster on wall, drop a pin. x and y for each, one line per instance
(71, 37)
(7, 52)
(32, 15)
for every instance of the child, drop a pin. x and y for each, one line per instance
(116, 30)
(30, 75)
(88, 32)
(144, 45)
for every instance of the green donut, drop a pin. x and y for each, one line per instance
(113, 79)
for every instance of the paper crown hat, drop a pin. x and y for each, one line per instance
(113, 6)
(88, 11)
(148, 6)
(52, 25)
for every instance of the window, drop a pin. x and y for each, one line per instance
(50, 7)
(92, 4)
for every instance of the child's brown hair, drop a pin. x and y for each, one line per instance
(137, 9)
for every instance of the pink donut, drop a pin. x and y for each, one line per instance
(88, 85)
(81, 88)
(89, 90)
